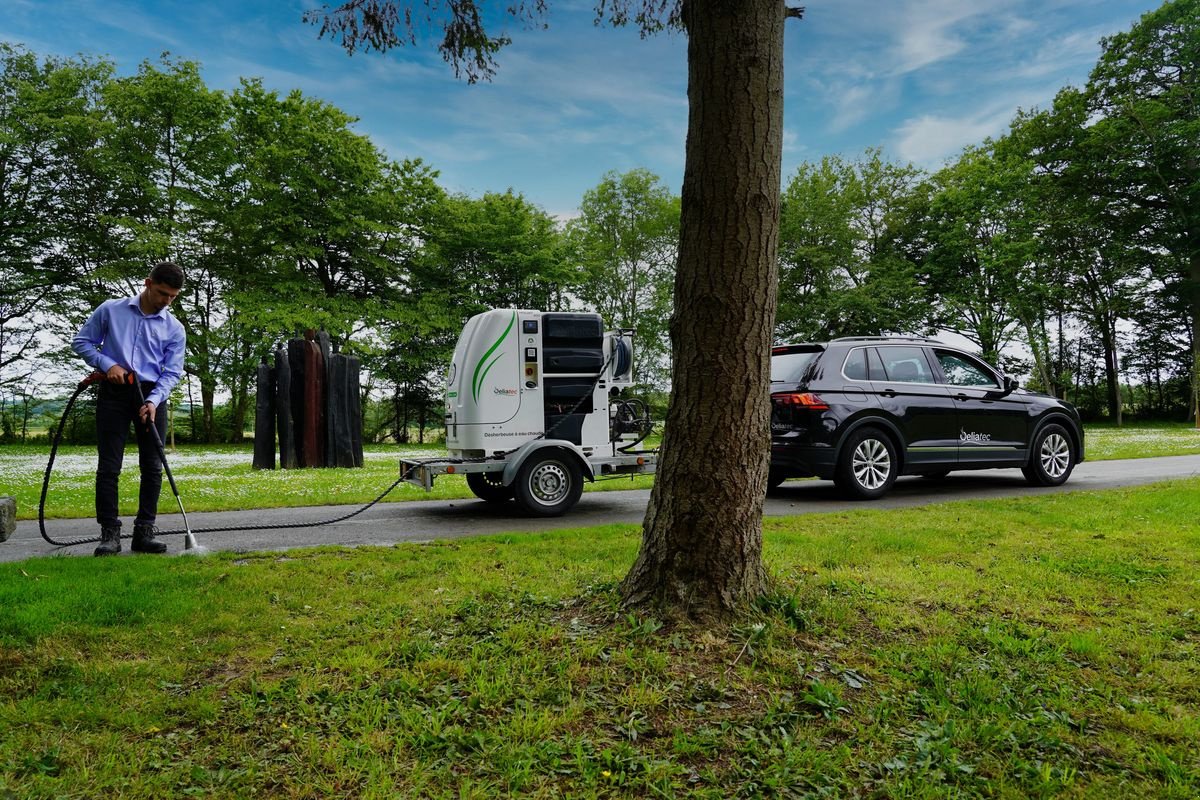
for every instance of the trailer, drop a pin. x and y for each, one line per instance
(535, 405)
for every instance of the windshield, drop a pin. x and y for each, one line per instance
(788, 367)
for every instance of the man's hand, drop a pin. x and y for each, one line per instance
(116, 374)
(146, 413)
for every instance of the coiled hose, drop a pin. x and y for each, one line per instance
(95, 377)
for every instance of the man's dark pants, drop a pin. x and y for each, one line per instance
(116, 408)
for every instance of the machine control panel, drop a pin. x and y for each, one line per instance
(531, 363)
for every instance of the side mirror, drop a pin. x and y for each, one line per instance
(1010, 384)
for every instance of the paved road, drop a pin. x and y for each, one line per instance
(389, 523)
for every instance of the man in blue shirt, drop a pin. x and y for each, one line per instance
(139, 335)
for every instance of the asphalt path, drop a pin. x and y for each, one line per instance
(422, 521)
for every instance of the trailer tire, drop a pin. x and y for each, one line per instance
(489, 487)
(549, 484)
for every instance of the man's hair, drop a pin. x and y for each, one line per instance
(168, 272)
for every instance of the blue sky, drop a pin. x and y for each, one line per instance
(919, 78)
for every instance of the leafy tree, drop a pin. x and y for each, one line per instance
(322, 228)
(976, 242)
(170, 152)
(701, 548)
(839, 274)
(48, 120)
(1158, 353)
(1143, 125)
(625, 242)
(498, 251)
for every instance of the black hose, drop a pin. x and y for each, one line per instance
(95, 377)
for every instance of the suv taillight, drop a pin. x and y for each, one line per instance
(808, 400)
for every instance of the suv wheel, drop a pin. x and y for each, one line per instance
(867, 467)
(1052, 459)
(489, 486)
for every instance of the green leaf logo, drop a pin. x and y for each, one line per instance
(481, 370)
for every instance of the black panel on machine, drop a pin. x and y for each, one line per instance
(568, 401)
(572, 343)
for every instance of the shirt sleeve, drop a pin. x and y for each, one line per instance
(90, 337)
(172, 368)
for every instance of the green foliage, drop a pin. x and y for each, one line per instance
(47, 126)
(1123, 150)
(498, 251)
(840, 274)
(625, 244)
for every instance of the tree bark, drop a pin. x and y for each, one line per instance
(208, 395)
(1194, 286)
(701, 553)
(1112, 367)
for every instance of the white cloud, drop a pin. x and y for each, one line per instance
(1071, 52)
(856, 104)
(929, 140)
(930, 33)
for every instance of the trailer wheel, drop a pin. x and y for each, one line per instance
(548, 485)
(489, 486)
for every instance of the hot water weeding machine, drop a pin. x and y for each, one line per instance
(534, 407)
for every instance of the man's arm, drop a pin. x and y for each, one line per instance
(90, 337)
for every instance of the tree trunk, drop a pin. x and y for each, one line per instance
(701, 553)
(207, 397)
(1112, 369)
(1194, 285)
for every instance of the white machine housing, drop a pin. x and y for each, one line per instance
(519, 375)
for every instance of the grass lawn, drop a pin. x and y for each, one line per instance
(1141, 440)
(220, 478)
(1034, 647)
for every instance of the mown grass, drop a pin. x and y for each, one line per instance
(1141, 440)
(1035, 647)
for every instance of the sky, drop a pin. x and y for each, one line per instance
(920, 79)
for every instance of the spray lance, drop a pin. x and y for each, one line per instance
(190, 548)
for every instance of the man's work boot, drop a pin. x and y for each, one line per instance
(110, 541)
(144, 541)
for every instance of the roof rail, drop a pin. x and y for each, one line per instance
(887, 339)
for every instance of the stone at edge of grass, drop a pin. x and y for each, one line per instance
(8, 517)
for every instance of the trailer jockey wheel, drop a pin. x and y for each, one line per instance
(549, 484)
(489, 486)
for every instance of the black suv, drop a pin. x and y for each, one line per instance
(863, 410)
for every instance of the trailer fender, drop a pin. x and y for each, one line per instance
(513, 465)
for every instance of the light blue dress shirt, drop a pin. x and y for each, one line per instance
(151, 345)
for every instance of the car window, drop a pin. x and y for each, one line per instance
(855, 367)
(789, 367)
(962, 371)
(906, 364)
